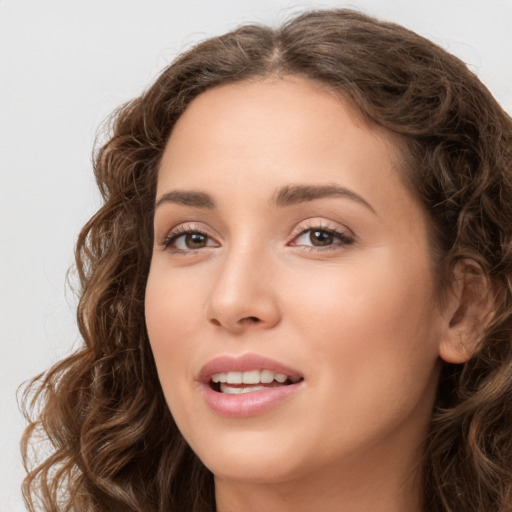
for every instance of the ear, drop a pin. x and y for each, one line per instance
(470, 308)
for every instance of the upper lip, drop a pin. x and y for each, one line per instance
(243, 363)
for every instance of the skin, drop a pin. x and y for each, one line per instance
(358, 319)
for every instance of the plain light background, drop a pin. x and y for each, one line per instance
(64, 66)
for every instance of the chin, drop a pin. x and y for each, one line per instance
(252, 457)
(264, 471)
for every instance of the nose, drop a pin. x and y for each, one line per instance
(243, 297)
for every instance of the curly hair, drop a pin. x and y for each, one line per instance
(114, 444)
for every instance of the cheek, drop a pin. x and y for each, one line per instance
(175, 301)
(167, 307)
(370, 329)
(370, 346)
(173, 310)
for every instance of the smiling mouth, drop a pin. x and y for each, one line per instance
(235, 383)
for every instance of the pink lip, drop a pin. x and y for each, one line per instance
(245, 404)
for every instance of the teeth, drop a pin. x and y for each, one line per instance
(234, 378)
(251, 377)
(237, 391)
(267, 376)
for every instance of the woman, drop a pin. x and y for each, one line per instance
(297, 293)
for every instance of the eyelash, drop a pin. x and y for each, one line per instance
(188, 229)
(344, 238)
(179, 232)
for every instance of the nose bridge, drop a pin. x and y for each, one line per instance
(243, 293)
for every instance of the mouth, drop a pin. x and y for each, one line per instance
(237, 382)
(247, 385)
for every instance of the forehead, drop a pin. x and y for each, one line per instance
(283, 125)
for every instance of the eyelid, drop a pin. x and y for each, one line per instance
(321, 224)
(184, 229)
(345, 234)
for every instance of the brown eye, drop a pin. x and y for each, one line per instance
(189, 241)
(320, 238)
(195, 240)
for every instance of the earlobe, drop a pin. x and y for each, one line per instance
(470, 309)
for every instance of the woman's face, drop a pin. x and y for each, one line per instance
(287, 247)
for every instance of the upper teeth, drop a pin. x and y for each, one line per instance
(252, 377)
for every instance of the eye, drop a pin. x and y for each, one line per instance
(321, 237)
(188, 240)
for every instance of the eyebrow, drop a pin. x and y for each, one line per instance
(288, 195)
(295, 194)
(187, 198)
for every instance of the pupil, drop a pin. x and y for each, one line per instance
(195, 240)
(321, 238)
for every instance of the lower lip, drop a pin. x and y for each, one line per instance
(248, 404)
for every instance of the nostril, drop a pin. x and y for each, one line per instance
(242, 321)
(236, 324)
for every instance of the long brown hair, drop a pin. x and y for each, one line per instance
(114, 444)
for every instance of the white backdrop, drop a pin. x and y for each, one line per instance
(64, 65)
